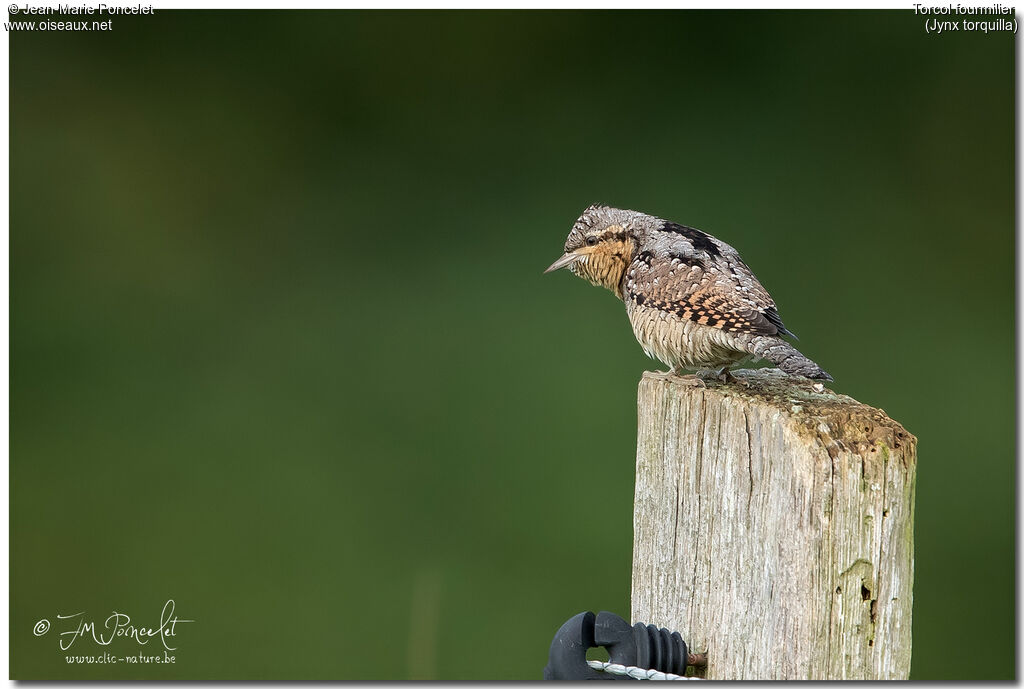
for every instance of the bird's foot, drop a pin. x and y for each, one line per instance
(722, 375)
(726, 377)
(683, 377)
(705, 375)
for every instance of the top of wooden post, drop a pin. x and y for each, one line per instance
(838, 420)
(773, 526)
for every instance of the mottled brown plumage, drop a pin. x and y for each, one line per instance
(692, 301)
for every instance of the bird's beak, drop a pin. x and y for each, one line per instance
(563, 262)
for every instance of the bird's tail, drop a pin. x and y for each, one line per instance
(786, 357)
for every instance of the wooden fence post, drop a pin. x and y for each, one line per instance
(774, 527)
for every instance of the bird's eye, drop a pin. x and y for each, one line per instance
(591, 241)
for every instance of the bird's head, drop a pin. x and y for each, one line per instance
(601, 245)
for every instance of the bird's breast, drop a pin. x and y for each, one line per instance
(680, 342)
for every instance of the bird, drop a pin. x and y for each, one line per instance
(691, 300)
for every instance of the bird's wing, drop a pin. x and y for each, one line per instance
(710, 287)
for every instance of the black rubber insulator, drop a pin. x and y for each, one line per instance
(659, 649)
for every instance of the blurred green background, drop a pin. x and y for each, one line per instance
(281, 348)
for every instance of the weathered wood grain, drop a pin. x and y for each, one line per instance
(773, 527)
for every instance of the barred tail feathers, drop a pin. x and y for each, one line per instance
(786, 357)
